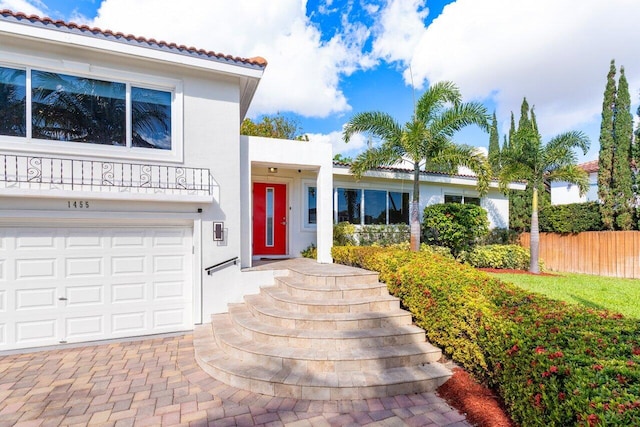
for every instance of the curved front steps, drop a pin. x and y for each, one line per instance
(323, 332)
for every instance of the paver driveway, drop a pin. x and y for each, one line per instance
(157, 382)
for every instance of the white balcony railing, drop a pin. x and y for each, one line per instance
(28, 172)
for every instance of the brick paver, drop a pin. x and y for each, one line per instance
(156, 382)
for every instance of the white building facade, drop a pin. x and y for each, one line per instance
(129, 203)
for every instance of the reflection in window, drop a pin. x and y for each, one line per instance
(375, 207)
(150, 118)
(79, 109)
(311, 205)
(349, 205)
(449, 198)
(13, 121)
(398, 208)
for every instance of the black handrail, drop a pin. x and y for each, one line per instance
(233, 260)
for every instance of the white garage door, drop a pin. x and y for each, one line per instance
(81, 284)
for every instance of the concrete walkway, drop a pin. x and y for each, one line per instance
(156, 382)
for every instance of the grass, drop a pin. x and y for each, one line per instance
(611, 293)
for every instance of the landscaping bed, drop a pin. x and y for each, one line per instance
(552, 363)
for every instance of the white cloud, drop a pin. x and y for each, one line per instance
(554, 52)
(357, 143)
(400, 25)
(28, 7)
(304, 70)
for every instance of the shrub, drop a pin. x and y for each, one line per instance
(497, 256)
(553, 363)
(501, 236)
(383, 235)
(343, 234)
(310, 252)
(571, 218)
(454, 225)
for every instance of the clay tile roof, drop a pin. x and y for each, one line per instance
(406, 170)
(589, 167)
(71, 27)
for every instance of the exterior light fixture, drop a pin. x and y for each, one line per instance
(272, 170)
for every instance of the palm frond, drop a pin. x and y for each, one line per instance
(459, 116)
(572, 174)
(434, 99)
(385, 155)
(452, 156)
(376, 123)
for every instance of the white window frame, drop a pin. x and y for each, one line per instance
(363, 201)
(463, 195)
(306, 226)
(29, 144)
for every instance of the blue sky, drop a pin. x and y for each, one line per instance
(329, 59)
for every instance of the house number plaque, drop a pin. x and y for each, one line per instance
(77, 204)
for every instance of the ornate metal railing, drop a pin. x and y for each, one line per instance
(87, 174)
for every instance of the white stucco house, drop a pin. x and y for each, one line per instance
(564, 193)
(129, 203)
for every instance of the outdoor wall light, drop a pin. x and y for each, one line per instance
(272, 170)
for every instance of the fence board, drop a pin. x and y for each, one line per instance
(604, 253)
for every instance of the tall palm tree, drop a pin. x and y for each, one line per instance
(425, 140)
(528, 159)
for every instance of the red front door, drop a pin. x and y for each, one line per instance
(269, 219)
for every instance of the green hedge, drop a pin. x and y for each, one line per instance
(497, 256)
(553, 363)
(571, 218)
(454, 225)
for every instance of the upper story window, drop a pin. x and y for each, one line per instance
(13, 83)
(54, 111)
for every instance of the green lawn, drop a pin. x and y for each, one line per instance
(618, 295)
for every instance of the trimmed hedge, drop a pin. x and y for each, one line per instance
(497, 256)
(553, 363)
(571, 218)
(454, 225)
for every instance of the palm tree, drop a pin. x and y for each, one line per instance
(425, 140)
(528, 159)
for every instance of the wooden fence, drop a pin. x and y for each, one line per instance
(603, 253)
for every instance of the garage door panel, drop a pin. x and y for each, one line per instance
(129, 322)
(172, 318)
(38, 332)
(82, 328)
(128, 292)
(36, 299)
(113, 283)
(35, 239)
(82, 296)
(84, 239)
(128, 265)
(84, 267)
(29, 269)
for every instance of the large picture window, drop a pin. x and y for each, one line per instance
(79, 109)
(363, 207)
(13, 114)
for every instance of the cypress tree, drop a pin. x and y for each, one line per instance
(605, 158)
(512, 129)
(494, 146)
(524, 115)
(622, 184)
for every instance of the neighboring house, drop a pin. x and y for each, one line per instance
(123, 179)
(563, 193)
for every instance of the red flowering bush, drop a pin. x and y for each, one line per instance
(553, 363)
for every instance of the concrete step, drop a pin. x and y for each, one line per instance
(269, 314)
(296, 287)
(318, 360)
(287, 382)
(339, 275)
(283, 300)
(250, 327)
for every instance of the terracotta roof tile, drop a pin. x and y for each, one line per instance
(72, 27)
(589, 167)
(405, 170)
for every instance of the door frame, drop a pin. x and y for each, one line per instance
(287, 182)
